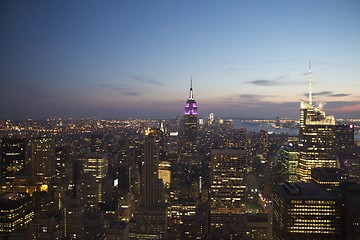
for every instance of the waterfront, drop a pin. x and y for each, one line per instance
(256, 126)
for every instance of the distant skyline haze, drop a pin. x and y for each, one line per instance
(123, 59)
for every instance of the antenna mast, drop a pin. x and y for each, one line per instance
(310, 90)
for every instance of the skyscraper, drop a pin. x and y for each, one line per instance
(149, 174)
(16, 211)
(316, 138)
(306, 211)
(150, 218)
(227, 192)
(43, 159)
(190, 129)
(96, 163)
(12, 159)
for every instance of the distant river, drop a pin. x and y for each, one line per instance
(256, 127)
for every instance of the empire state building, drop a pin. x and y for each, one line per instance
(190, 129)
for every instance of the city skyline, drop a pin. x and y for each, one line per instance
(135, 59)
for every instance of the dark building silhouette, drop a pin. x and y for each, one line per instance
(350, 193)
(344, 138)
(150, 218)
(12, 160)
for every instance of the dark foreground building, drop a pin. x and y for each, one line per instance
(306, 211)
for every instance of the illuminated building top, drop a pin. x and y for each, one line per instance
(191, 106)
(313, 115)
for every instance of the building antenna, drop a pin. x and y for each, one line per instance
(191, 90)
(310, 90)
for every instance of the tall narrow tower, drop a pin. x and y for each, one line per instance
(190, 128)
(317, 137)
(150, 181)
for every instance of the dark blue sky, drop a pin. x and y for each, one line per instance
(135, 58)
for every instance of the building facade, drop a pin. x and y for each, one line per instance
(227, 192)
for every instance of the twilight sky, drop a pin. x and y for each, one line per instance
(120, 59)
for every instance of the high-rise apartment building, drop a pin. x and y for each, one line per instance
(12, 158)
(306, 211)
(227, 192)
(190, 129)
(316, 138)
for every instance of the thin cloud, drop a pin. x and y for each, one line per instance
(329, 94)
(146, 80)
(323, 93)
(122, 90)
(253, 98)
(277, 81)
(265, 83)
(250, 96)
(340, 95)
(127, 92)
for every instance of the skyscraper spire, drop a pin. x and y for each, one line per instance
(310, 90)
(191, 95)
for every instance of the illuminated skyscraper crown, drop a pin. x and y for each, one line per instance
(191, 106)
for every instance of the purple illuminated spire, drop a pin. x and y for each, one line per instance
(191, 106)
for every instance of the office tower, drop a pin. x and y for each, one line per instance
(16, 212)
(264, 143)
(97, 164)
(62, 156)
(184, 218)
(316, 138)
(227, 192)
(306, 211)
(149, 223)
(242, 138)
(344, 138)
(46, 223)
(288, 163)
(149, 173)
(257, 226)
(190, 129)
(12, 160)
(165, 173)
(347, 152)
(328, 178)
(172, 146)
(124, 178)
(97, 143)
(87, 192)
(46, 226)
(211, 119)
(43, 159)
(150, 218)
(350, 193)
(74, 219)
